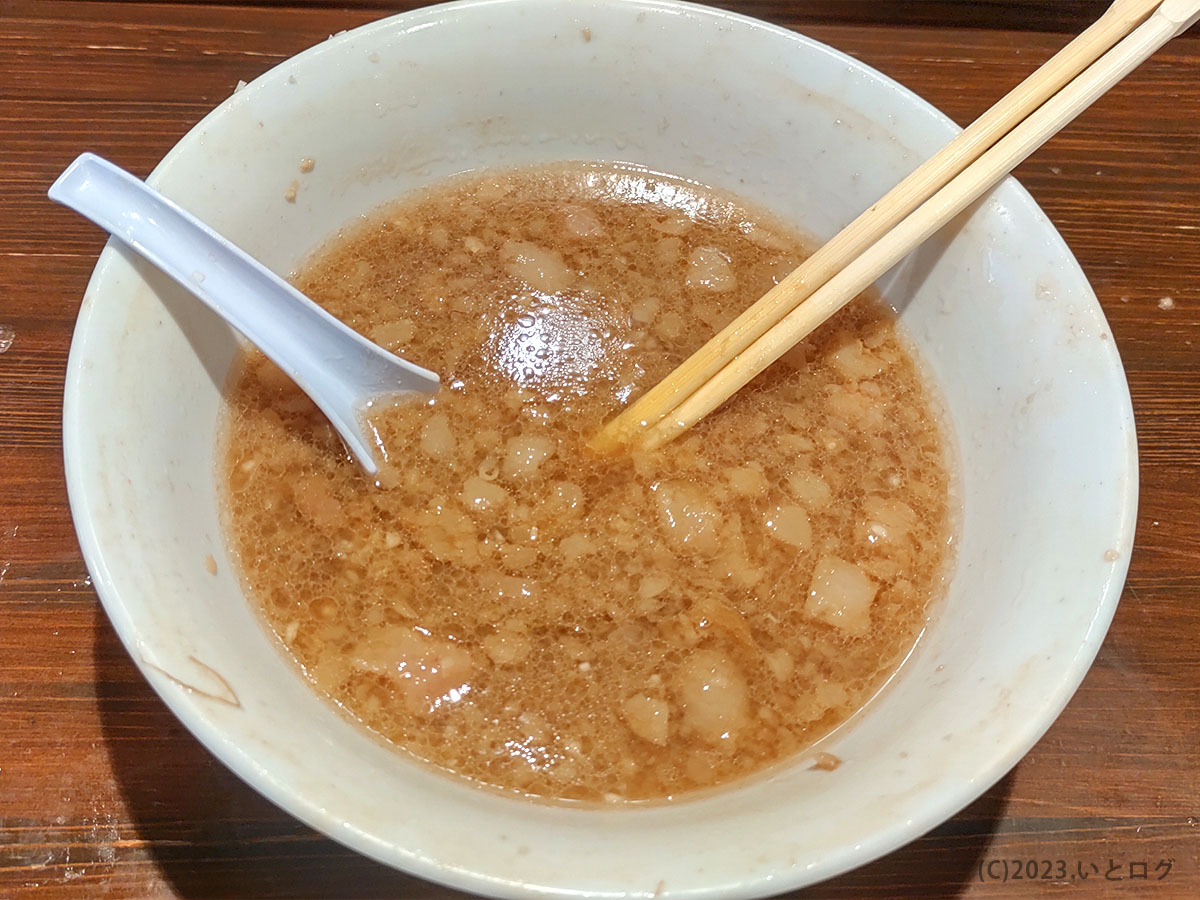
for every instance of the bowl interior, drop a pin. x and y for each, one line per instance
(997, 304)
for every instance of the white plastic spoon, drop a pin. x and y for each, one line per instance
(340, 370)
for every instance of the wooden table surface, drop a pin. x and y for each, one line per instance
(103, 794)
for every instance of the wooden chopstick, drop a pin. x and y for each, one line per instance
(1171, 18)
(1117, 22)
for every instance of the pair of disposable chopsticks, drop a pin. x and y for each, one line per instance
(962, 171)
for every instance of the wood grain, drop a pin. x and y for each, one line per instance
(1037, 15)
(103, 794)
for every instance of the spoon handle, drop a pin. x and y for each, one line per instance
(334, 365)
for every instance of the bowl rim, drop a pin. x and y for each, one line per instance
(939, 806)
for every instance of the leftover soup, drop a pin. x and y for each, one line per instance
(507, 605)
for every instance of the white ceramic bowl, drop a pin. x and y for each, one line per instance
(997, 303)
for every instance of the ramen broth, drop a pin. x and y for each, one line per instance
(507, 605)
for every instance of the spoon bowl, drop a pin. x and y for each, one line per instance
(340, 370)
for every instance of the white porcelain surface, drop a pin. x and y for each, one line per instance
(1009, 326)
(341, 371)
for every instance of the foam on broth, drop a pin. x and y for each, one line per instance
(508, 606)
